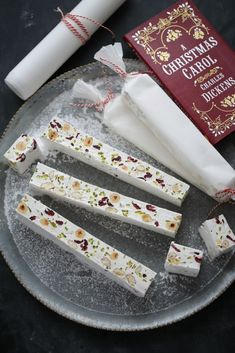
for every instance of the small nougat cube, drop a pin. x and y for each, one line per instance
(183, 260)
(23, 153)
(217, 235)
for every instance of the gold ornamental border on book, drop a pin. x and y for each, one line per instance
(217, 126)
(145, 36)
(212, 72)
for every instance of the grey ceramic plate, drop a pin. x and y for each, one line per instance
(55, 277)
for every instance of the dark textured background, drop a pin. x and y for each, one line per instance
(26, 326)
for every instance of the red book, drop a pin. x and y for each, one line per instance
(193, 63)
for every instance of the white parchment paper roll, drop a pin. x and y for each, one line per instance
(56, 48)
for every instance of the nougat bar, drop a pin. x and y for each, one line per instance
(91, 251)
(64, 187)
(65, 138)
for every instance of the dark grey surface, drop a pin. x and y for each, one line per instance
(27, 326)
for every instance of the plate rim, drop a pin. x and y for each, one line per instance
(8, 245)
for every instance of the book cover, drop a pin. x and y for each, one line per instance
(194, 65)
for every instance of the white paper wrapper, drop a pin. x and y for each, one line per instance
(121, 119)
(35, 69)
(179, 144)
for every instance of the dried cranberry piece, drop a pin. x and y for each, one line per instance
(34, 144)
(198, 259)
(230, 238)
(116, 159)
(132, 159)
(21, 157)
(156, 223)
(148, 175)
(161, 182)
(103, 201)
(32, 218)
(58, 124)
(59, 222)
(49, 212)
(217, 220)
(83, 244)
(151, 208)
(69, 138)
(136, 206)
(175, 248)
(97, 147)
(52, 125)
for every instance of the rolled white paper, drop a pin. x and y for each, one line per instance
(56, 48)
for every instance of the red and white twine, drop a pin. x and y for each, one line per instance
(225, 194)
(73, 23)
(78, 28)
(97, 105)
(223, 197)
(122, 73)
